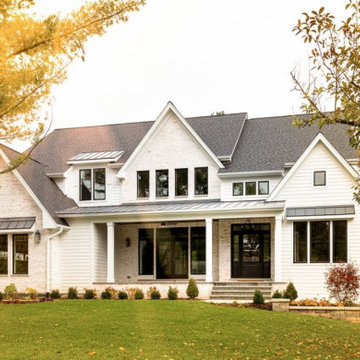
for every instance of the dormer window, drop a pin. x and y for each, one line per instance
(143, 189)
(162, 183)
(92, 184)
(201, 181)
(319, 178)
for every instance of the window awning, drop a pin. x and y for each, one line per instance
(323, 211)
(17, 223)
(98, 156)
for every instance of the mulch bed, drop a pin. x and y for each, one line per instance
(21, 301)
(266, 306)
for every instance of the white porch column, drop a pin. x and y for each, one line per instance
(209, 241)
(110, 253)
(277, 243)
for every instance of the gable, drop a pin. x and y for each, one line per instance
(299, 189)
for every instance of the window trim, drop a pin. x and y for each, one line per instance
(187, 182)
(238, 183)
(137, 184)
(156, 184)
(14, 258)
(268, 187)
(251, 182)
(80, 193)
(329, 242)
(319, 172)
(346, 242)
(93, 184)
(207, 180)
(307, 245)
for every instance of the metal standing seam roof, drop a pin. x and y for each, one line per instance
(189, 206)
(98, 155)
(17, 223)
(320, 211)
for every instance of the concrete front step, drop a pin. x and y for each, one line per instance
(234, 297)
(240, 292)
(239, 288)
(234, 283)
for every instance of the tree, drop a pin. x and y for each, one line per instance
(35, 53)
(335, 71)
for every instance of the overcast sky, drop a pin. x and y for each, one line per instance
(203, 55)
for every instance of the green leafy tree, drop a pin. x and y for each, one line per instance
(335, 71)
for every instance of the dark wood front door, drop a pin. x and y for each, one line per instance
(250, 251)
(172, 253)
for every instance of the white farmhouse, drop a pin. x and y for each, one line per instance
(235, 203)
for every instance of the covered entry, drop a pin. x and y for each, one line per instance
(250, 251)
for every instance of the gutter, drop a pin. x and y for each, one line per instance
(61, 229)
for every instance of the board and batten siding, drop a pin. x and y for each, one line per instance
(171, 147)
(299, 191)
(75, 255)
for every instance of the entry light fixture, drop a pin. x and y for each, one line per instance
(37, 237)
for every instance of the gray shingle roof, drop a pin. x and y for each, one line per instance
(48, 193)
(268, 143)
(220, 133)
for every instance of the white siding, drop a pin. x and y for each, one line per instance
(299, 192)
(227, 187)
(171, 147)
(100, 252)
(75, 255)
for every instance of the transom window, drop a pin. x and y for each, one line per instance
(313, 239)
(20, 254)
(201, 181)
(3, 254)
(162, 183)
(319, 178)
(181, 182)
(92, 184)
(238, 189)
(143, 184)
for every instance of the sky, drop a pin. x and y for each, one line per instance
(203, 55)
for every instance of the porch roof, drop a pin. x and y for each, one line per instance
(174, 207)
(17, 223)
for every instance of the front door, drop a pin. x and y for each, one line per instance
(172, 253)
(250, 251)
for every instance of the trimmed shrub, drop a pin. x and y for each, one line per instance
(31, 293)
(10, 291)
(192, 290)
(106, 295)
(277, 295)
(72, 293)
(290, 292)
(55, 294)
(122, 295)
(342, 282)
(173, 293)
(112, 291)
(139, 295)
(90, 294)
(258, 297)
(153, 293)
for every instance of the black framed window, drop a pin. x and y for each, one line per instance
(143, 184)
(339, 241)
(3, 254)
(238, 189)
(300, 242)
(20, 254)
(85, 184)
(181, 182)
(146, 251)
(319, 241)
(250, 188)
(99, 184)
(162, 183)
(201, 181)
(198, 250)
(319, 178)
(263, 188)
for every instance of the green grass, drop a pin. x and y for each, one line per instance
(106, 329)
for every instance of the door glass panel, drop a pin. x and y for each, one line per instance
(236, 248)
(181, 254)
(266, 239)
(251, 248)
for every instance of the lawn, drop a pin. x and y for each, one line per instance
(155, 329)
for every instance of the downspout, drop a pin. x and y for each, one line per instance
(61, 229)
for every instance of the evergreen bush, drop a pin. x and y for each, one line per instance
(173, 293)
(72, 293)
(290, 292)
(258, 297)
(192, 290)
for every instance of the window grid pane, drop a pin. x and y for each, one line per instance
(21, 254)
(201, 181)
(85, 184)
(99, 184)
(238, 189)
(300, 242)
(339, 241)
(319, 241)
(146, 251)
(143, 184)
(263, 187)
(198, 252)
(319, 178)
(3, 254)
(181, 182)
(250, 188)
(162, 183)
